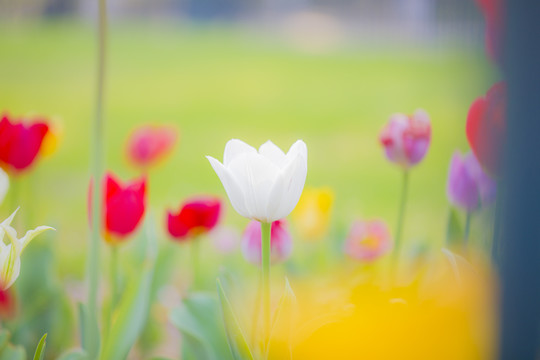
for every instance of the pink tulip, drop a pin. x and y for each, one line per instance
(148, 144)
(280, 245)
(368, 240)
(406, 138)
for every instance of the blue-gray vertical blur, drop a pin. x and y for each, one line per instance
(520, 250)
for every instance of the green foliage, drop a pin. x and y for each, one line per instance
(75, 354)
(43, 304)
(198, 319)
(90, 342)
(454, 235)
(131, 313)
(237, 341)
(9, 351)
(40, 349)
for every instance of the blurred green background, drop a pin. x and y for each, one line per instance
(217, 82)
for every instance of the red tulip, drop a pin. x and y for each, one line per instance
(7, 304)
(196, 216)
(20, 142)
(124, 207)
(493, 14)
(486, 126)
(147, 145)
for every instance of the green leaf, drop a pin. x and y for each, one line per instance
(237, 341)
(454, 235)
(75, 354)
(40, 350)
(131, 313)
(9, 351)
(279, 345)
(90, 337)
(198, 319)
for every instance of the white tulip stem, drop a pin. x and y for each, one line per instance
(265, 253)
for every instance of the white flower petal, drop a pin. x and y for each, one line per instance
(256, 175)
(232, 188)
(234, 148)
(30, 234)
(4, 185)
(275, 198)
(294, 176)
(270, 151)
(298, 148)
(6, 222)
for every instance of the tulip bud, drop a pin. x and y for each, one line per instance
(280, 243)
(148, 145)
(368, 240)
(196, 216)
(262, 185)
(406, 138)
(486, 127)
(20, 142)
(123, 207)
(468, 185)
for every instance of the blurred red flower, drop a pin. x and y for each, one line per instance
(486, 127)
(20, 142)
(149, 144)
(7, 304)
(196, 216)
(124, 207)
(492, 11)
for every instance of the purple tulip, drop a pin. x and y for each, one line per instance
(469, 187)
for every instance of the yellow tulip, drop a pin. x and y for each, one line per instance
(311, 216)
(52, 138)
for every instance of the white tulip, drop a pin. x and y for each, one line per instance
(4, 185)
(262, 185)
(10, 261)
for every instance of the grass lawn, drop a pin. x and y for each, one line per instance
(218, 82)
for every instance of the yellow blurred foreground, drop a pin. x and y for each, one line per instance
(445, 310)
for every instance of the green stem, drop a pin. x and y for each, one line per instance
(401, 218)
(195, 246)
(97, 170)
(467, 227)
(265, 254)
(114, 277)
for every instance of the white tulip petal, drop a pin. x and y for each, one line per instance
(256, 175)
(235, 148)
(270, 151)
(6, 222)
(298, 148)
(231, 185)
(30, 234)
(294, 177)
(275, 198)
(4, 185)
